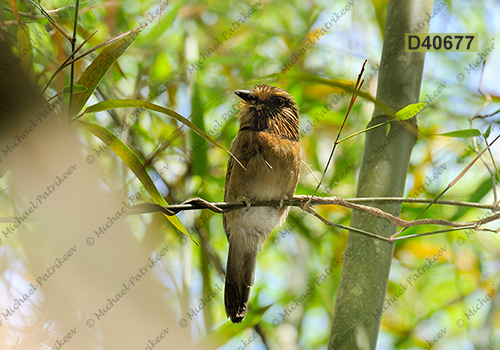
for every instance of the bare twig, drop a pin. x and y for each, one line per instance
(300, 201)
(71, 59)
(488, 99)
(72, 72)
(490, 171)
(107, 42)
(329, 223)
(297, 201)
(450, 185)
(359, 83)
(51, 21)
(64, 64)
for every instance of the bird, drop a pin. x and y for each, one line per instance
(265, 166)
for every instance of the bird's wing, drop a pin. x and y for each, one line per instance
(235, 186)
(230, 165)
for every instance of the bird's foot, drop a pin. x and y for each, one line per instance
(282, 200)
(247, 202)
(203, 204)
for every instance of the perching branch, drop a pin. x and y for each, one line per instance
(300, 201)
(296, 201)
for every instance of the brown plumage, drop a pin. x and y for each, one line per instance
(267, 145)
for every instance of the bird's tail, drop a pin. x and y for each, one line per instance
(240, 273)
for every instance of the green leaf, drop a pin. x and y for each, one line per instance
(127, 103)
(41, 9)
(218, 337)
(480, 193)
(165, 23)
(367, 129)
(76, 88)
(95, 72)
(380, 8)
(410, 111)
(388, 128)
(346, 87)
(487, 133)
(135, 164)
(462, 133)
(199, 148)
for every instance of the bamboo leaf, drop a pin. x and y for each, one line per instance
(410, 111)
(346, 88)
(76, 88)
(127, 103)
(166, 22)
(225, 331)
(487, 133)
(365, 130)
(462, 133)
(95, 72)
(135, 164)
(380, 8)
(480, 192)
(50, 19)
(199, 157)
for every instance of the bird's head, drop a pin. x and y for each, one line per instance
(271, 109)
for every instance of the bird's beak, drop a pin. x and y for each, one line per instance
(245, 95)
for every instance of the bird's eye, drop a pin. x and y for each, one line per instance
(280, 102)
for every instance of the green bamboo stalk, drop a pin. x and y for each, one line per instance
(365, 272)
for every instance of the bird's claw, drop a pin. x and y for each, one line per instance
(247, 202)
(204, 204)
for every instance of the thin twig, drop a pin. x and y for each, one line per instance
(51, 20)
(297, 201)
(351, 104)
(492, 207)
(492, 173)
(72, 72)
(367, 129)
(107, 42)
(450, 185)
(435, 232)
(488, 99)
(69, 61)
(198, 203)
(65, 63)
(329, 223)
